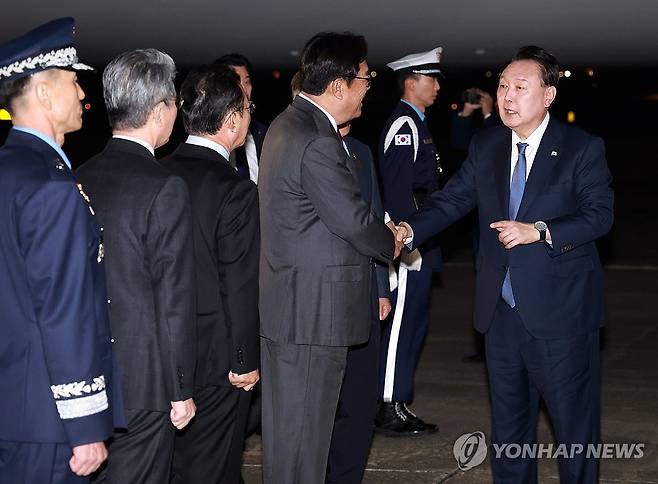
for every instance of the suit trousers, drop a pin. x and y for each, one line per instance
(142, 453)
(209, 449)
(412, 332)
(30, 463)
(301, 385)
(355, 417)
(565, 373)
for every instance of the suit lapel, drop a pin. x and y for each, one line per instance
(546, 158)
(502, 164)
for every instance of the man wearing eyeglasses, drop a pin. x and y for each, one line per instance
(409, 167)
(318, 236)
(146, 215)
(216, 114)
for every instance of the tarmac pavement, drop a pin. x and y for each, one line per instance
(454, 394)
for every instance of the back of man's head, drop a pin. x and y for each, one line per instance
(134, 83)
(234, 60)
(208, 95)
(12, 91)
(329, 56)
(548, 65)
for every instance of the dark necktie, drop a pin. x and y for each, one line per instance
(516, 188)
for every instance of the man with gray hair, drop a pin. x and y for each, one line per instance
(145, 211)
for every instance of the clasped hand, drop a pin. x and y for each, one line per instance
(401, 233)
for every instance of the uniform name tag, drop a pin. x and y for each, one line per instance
(402, 140)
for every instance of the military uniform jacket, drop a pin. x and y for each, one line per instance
(57, 377)
(145, 212)
(408, 167)
(226, 249)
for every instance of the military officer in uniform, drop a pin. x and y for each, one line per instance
(409, 167)
(60, 395)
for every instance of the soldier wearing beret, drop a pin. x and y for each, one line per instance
(60, 398)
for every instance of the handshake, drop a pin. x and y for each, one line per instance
(401, 233)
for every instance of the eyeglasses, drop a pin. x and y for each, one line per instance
(368, 78)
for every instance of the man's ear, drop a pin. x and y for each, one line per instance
(549, 96)
(43, 89)
(156, 114)
(337, 87)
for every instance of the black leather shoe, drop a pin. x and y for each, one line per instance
(412, 417)
(392, 421)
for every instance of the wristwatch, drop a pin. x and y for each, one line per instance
(541, 227)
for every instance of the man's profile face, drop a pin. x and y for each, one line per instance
(425, 89)
(66, 97)
(245, 119)
(523, 100)
(357, 90)
(245, 79)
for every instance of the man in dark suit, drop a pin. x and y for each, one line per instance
(246, 157)
(543, 194)
(357, 404)
(150, 267)
(60, 394)
(317, 239)
(216, 114)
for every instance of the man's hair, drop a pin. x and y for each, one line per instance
(208, 95)
(548, 65)
(401, 78)
(296, 83)
(11, 90)
(234, 60)
(134, 84)
(329, 56)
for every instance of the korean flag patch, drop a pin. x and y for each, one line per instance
(402, 140)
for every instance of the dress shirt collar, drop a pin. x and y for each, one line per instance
(421, 114)
(535, 138)
(326, 113)
(46, 139)
(208, 143)
(135, 140)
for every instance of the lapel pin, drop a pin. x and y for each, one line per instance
(553, 153)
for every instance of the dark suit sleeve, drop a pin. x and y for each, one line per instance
(455, 200)
(54, 230)
(171, 256)
(594, 215)
(335, 196)
(397, 173)
(381, 269)
(238, 250)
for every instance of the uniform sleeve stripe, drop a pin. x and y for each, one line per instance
(82, 406)
(396, 126)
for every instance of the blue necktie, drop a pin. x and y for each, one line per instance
(516, 188)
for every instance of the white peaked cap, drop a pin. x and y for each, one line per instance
(420, 63)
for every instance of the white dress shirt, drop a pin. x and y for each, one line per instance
(252, 157)
(530, 151)
(207, 143)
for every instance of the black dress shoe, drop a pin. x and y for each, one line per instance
(392, 421)
(412, 417)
